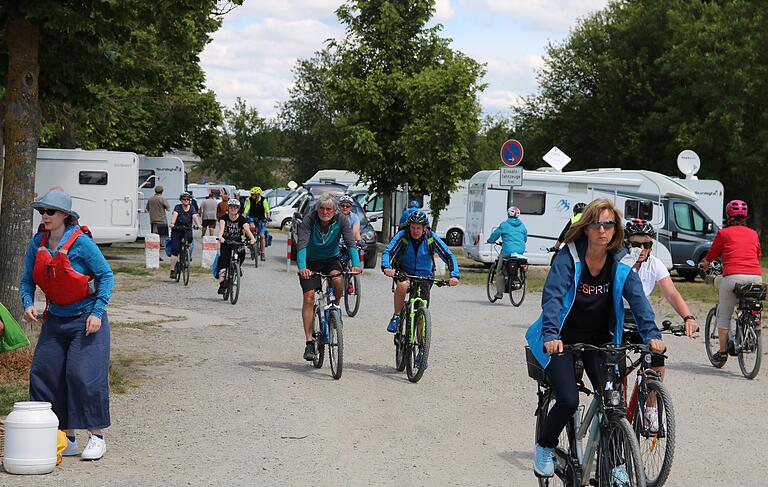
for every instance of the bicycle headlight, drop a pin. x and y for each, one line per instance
(613, 398)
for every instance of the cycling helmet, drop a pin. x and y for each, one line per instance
(233, 202)
(638, 227)
(256, 190)
(413, 204)
(345, 198)
(579, 208)
(185, 194)
(513, 212)
(736, 209)
(418, 216)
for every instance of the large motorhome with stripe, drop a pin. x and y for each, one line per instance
(546, 201)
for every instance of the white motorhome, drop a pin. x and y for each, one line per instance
(201, 191)
(337, 176)
(167, 172)
(710, 193)
(451, 226)
(546, 200)
(102, 185)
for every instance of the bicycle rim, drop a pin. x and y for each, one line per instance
(565, 471)
(336, 344)
(352, 300)
(235, 282)
(185, 268)
(490, 288)
(657, 448)
(619, 463)
(711, 338)
(401, 341)
(516, 296)
(751, 352)
(317, 339)
(414, 367)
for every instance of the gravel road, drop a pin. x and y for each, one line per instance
(226, 399)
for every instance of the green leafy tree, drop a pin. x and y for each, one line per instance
(248, 150)
(485, 152)
(403, 103)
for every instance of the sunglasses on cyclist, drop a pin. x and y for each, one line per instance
(346, 206)
(184, 199)
(47, 211)
(637, 245)
(609, 225)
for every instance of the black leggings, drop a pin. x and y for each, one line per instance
(562, 376)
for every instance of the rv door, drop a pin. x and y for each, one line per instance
(122, 211)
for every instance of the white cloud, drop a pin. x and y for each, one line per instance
(444, 10)
(554, 15)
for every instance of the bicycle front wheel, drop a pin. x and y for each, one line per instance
(565, 469)
(351, 295)
(618, 456)
(336, 343)
(490, 288)
(656, 441)
(234, 283)
(185, 267)
(317, 338)
(517, 293)
(751, 351)
(711, 337)
(401, 340)
(418, 354)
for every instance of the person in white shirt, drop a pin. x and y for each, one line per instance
(639, 234)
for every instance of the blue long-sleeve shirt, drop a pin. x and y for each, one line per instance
(415, 256)
(84, 257)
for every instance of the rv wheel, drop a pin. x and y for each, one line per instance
(454, 237)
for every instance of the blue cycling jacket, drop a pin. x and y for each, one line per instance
(560, 292)
(414, 257)
(513, 237)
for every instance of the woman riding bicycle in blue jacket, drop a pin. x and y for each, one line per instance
(513, 235)
(582, 303)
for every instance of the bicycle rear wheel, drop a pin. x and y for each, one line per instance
(565, 470)
(234, 292)
(255, 255)
(490, 287)
(657, 448)
(751, 351)
(418, 355)
(351, 300)
(317, 338)
(178, 269)
(711, 337)
(336, 343)
(401, 340)
(517, 293)
(618, 456)
(185, 266)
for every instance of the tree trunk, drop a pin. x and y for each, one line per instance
(21, 134)
(386, 219)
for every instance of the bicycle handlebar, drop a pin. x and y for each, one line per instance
(402, 276)
(329, 276)
(627, 347)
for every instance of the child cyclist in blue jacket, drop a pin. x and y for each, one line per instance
(410, 251)
(513, 235)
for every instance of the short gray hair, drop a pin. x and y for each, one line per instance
(327, 199)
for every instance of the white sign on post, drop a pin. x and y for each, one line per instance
(511, 176)
(556, 158)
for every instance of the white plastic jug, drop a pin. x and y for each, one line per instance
(30, 439)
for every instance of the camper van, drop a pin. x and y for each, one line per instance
(546, 202)
(710, 193)
(201, 191)
(102, 185)
(333, 176)
(167, 172)
(451, 225)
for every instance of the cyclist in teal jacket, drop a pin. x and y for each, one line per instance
(513, 235)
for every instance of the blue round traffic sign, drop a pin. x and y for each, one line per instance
(511, 152)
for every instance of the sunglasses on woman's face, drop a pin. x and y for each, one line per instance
(185, 200)
(47, 211)
(637, 245)
(609, 225)
(346, 206)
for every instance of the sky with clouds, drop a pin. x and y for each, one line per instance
(253, 53)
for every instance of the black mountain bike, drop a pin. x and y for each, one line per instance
(516, 278)
(185, 257)
(233, 274)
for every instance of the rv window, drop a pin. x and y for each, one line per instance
(638, 209)
(94, 177)
(529, 202)
(144, 174)
(689, 218)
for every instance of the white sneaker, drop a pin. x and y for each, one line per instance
(71, 450)
(95, 448)
(652, 419)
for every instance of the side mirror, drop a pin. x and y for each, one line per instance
(709, 227)
(296, 216)
(373, 219)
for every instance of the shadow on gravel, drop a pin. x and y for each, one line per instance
(520, 459)
(385, 371)
(263, 366)
(695, 368)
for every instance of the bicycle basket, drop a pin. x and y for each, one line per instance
(535, 371)
(750, 292)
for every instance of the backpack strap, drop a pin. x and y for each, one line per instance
(71, 240)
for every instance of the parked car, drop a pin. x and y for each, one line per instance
(282, 215)
(275, 196)
(367, 232)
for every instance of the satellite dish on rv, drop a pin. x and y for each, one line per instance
(292, 185)
(689, 163)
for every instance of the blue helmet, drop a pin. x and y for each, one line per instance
(418, 216)
(413, 204)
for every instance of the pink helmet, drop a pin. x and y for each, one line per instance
(736, 208)
(513, 212)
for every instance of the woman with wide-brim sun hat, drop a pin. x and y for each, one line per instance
(71, 361)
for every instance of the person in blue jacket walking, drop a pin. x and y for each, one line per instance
(410, 251)
(513, 235)
(582, 303)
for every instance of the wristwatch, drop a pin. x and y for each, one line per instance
(688, 317)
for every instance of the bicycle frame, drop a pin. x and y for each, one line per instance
(325, 298)
(414, 300)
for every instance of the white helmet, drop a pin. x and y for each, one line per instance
(233, 202)
(513, 212)
(345, 198)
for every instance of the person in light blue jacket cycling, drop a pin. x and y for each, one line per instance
(513, 235)
(410, 251)
(582, 303)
